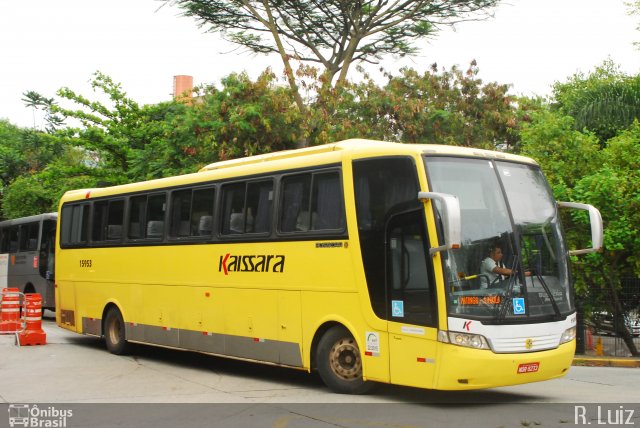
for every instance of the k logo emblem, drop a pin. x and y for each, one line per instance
(528, 343)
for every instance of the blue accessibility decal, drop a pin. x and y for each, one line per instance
(397, 308)
(518, 306)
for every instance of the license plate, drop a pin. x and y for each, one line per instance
(528, 368)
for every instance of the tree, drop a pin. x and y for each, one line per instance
(435, 107)
(22, 152)
(120, 139)
(578, 169)
(634, 9)
(333, 34)
(615, 189)
(565, 154)
(246, 117)
(123, 141)
(604, 102)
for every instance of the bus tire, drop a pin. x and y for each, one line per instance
(114, 333)
(339, 362)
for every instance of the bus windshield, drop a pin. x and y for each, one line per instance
(509, 222)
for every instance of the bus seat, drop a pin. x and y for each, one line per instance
(33, 244)
(114, 231)
(183, 228)
(134, 230)
(236, 223)
(155, 229)
(302, 223)
(205, 225)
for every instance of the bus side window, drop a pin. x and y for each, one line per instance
(327, 209)
(74, 224)
(156, 206)
(4, 241)
(180, 213)
(146, 216)
(259, 206)
(13, 239)
(294, 204)
(107, 220)
(136, 215)
(311, 202)
(29, 237)
(192, 212)
(247, 207)
(202, 212)
(233, 196)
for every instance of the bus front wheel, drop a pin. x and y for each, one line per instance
(114, 332)
(339, 362)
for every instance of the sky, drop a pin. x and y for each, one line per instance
(46, 45)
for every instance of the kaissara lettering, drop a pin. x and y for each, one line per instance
(251, 263)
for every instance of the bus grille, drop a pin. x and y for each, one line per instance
(525, 344)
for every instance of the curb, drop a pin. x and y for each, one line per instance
(606, 362)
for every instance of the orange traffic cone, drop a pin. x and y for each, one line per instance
(33, 333)
(589, 339)
(10, 311)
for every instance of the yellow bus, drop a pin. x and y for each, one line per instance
(359, 259)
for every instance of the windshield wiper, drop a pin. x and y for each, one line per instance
(502, 309)
(535, 272)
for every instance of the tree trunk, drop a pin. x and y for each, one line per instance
(291, 78)
(351, 49)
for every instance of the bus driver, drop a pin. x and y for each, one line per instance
(493, 267)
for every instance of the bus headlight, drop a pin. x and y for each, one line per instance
(474, 341)
(568, 335)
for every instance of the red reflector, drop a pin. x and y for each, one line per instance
(368, 353)
(528, 368)
(422, 360)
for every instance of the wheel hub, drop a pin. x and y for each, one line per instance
(345, 360)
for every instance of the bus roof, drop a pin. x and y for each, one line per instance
(298, 158)
(30, 219)
(362, 145)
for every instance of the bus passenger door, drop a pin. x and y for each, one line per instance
(411, 300)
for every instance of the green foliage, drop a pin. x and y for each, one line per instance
(22, 152)
(603, 102)
(614, 187)
(565, 155)
(244, 118)
(437, 107)
(331, 34)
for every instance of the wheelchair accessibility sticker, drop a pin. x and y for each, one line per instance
(397, 308)
(518, 306)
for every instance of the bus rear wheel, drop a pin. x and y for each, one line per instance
(339, 362)
(114, 333)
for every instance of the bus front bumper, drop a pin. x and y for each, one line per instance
(466, 368)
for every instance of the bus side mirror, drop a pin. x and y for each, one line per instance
(450, 215)
(595, 219)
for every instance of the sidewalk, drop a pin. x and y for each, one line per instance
(594, 361)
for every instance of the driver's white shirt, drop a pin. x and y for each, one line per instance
(487, 267)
